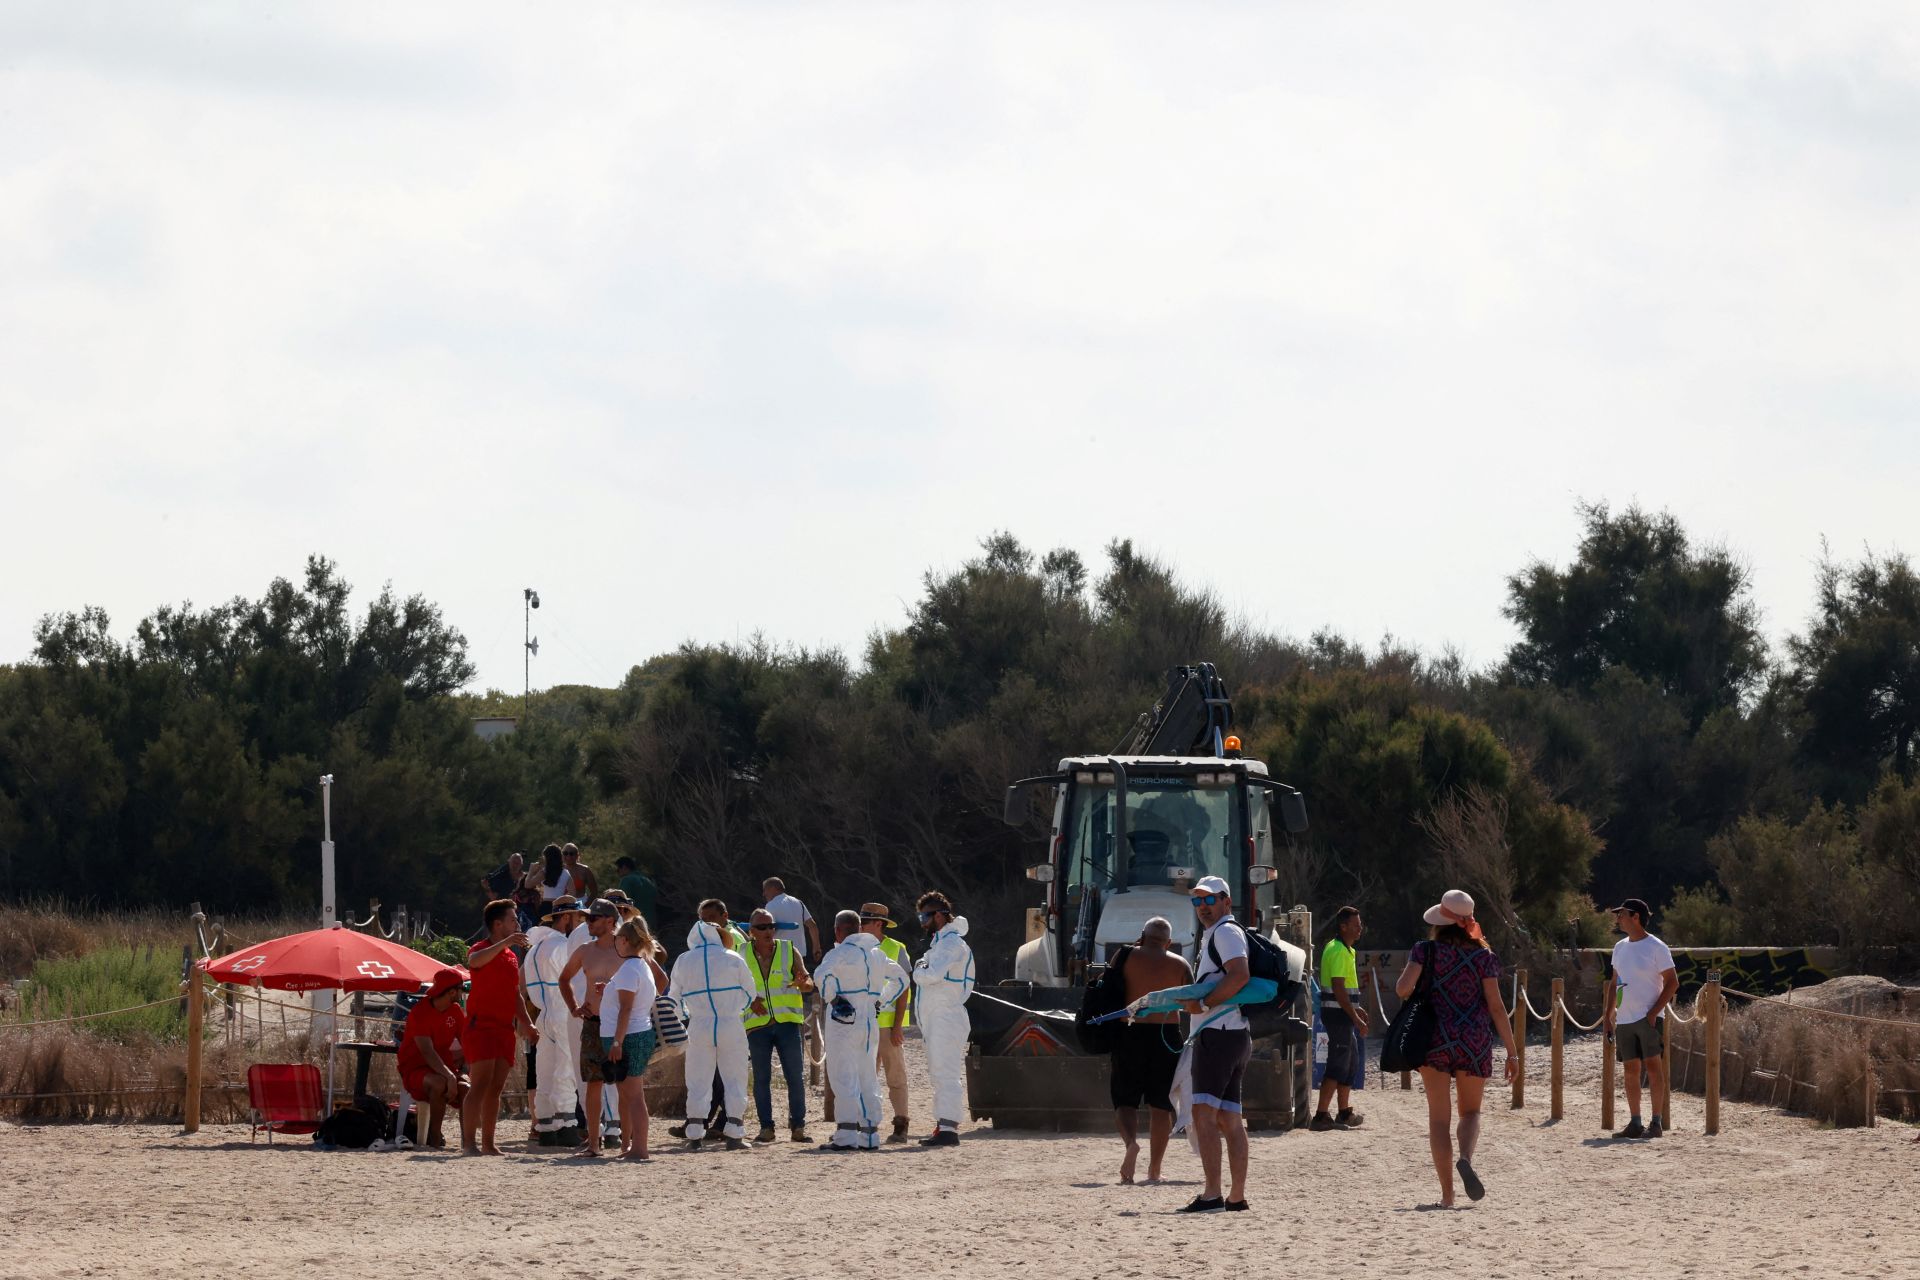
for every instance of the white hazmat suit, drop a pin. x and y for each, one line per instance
(714, 986)
(855, 980)
(555, 1077)
(609, 1095)
(944, 976)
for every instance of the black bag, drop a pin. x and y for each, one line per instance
(1105, 994)
(1273, 1017)
(1411, 1035)
(358, 1127)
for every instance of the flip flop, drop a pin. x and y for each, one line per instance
(1470, 1180)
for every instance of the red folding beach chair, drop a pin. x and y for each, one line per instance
(285, 1098)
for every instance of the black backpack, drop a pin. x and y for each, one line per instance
(1105, 994)
(1272, 1017)
(358, 1127)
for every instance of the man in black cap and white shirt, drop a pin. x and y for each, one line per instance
(1644, 982)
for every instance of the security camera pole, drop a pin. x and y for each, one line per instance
(532, 599)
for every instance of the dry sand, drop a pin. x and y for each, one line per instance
(1770, 1195)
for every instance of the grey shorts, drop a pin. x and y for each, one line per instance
(1636, 1040)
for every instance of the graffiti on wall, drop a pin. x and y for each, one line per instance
(1757, 971)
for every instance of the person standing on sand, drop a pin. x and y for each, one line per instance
(627, 1020)
(495, 1012)
(1643, 984)
(1345, 1020)
(855, 979)
(1467, 1013)
(1149, 1051)
(1222, 1047)
(894, 1018)
(555, 1084)
(943, 980)
(581, 984)
(638, 886)
(780, 984)
(429, 1058)
(714, 986)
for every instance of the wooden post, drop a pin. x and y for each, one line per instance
(1606, 1076)
(1520, 1040)
(1559, 1040)
(1710, 998)
(1666, 1064)
(196, 1016)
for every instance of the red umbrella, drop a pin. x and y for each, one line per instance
(325, 959)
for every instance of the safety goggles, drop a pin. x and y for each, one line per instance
(1204, 899)
(926, 916)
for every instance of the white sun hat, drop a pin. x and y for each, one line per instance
(1455, 907)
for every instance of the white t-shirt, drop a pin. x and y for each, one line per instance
(789, 914)
(1230, 940)
(633, 975)
(1637, 967)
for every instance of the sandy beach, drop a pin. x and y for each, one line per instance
(1771, 1194)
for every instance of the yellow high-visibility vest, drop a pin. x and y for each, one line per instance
(784, 1004)
(896, 951)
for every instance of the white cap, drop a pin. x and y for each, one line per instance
(1455, 907)
(1211, 884)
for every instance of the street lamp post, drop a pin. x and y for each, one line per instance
(329, 914)
(532, 599)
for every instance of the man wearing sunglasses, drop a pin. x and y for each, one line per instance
(780, 982)
(944, 978)
(1222, 1045)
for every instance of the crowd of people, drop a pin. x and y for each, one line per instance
(1453, 969)
(577, 974)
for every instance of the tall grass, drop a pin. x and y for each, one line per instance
(1780, 1055)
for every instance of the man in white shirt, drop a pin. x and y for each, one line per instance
(1222, 1046)
(790, 918)
(1643, 984)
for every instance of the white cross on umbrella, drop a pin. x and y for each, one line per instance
(376, 969)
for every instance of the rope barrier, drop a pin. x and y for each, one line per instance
(1766, 1002)
(1534, 1013)
(1673, 1011)
(1579, 1025)
(88, 1017)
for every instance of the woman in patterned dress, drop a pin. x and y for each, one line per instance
(1468, 1014)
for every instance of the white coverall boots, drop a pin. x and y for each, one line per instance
(714, 986)
(854, 980)
(555, 1080)
(944, 979)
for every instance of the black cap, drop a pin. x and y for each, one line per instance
(1635, 905)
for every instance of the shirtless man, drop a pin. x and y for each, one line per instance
(1149, 1051)
(595, 963)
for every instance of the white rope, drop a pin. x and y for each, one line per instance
(1579, 1025)
(1534, 1013)
(1765, 1002)
(88, 1017)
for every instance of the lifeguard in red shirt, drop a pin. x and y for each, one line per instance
(495, 1011)
(430, 1059)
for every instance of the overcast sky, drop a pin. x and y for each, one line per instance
(711, 319)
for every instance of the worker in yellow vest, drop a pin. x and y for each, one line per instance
(894, 1019)
(780, 984)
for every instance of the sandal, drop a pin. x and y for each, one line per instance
(1470, 1180)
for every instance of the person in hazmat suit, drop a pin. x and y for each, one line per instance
(944, 979)
(855, 980)
(713, 984)
(555, 1077)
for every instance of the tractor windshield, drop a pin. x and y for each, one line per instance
(1177, 832)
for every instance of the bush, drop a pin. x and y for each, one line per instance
(446, 948)
(1700, 918)
(111, 978)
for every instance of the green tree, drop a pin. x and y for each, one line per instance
(1857, 670)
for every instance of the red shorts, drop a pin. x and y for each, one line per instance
(486, 1040)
